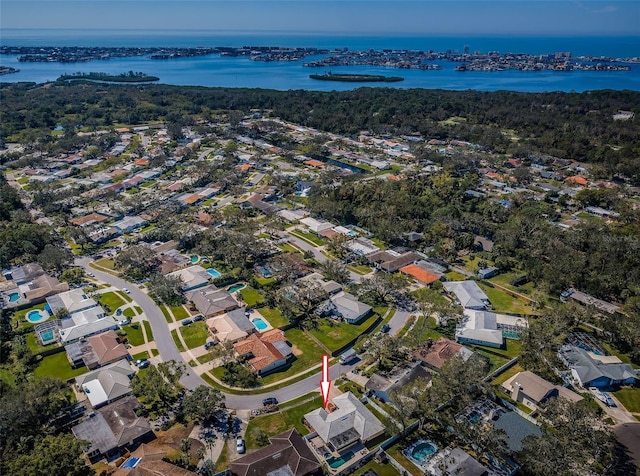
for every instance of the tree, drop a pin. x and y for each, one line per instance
(73, 275)
(158, 388)
(55, 455)
(137, 262)
(383, 288)
(336, 271)
(239, 375)
(166, 289)
(55, 258)
(574, 441)
(204, 404)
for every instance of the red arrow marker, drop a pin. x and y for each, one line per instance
(325, 383)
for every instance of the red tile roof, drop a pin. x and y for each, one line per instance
(419, 273)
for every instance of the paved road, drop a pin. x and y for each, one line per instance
(191, 380)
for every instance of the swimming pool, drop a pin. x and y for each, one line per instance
(259, 323)
(13, 297)
(47, 336)
(235, 287)
(36, 316)
(195, 259)
(421, 451)
(213, 273)
(337, 462)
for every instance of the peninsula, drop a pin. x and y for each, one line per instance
(129, 77)
(356, 78)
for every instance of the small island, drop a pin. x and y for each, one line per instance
(129, 77)
(356, 78)
(7, 70)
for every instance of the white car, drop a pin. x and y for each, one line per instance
(126, 291)
(240, 445)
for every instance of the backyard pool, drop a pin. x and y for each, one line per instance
(195, 259)
(13, 297)
(421, 451)
(36, 316)
(259, 323)
(337, 462)
(213, 273)
(235, 287)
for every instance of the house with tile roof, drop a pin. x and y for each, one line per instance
(435, 354)
(347, 422)
(97, 351)
(287, 454)
(107, 384)
(265, 352)
(420, 274)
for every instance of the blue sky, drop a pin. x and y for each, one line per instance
(424, 17)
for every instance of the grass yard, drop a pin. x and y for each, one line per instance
(287, 248)
(455, 276)
(134, 334)
(422, 330)
(138, 309)
(20, 316)
(507, 374)
(57, 366)
(148, 331)
(105, 263)
(251, 296)
(504, 279)
(177, 341)
(630, 398)
(495, 360)
(195, 335)
(503, 302)
(128, 312)
(429, 295)
(311, 238)
(223, 460)
(265, 281)
(360, 269)
(307, 355)
(380, 469)
(140, 355)
(165, 312)
(112, 300)
(336, 335)
(278, 422)
(274, 316)
(396, 453)
(179, 312)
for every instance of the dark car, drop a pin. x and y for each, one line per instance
(386, 328)
(186, 322)
(142, 363)
(210, 344)
(199, 317)
(270, 401)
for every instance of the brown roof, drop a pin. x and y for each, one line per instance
(436, 355)
(262, 348)
(107, 347)
(287, 449)
(91, 218)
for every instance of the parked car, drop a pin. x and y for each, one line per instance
(186, 322)
(210, 344)
(270, 401)
(199, 317)
(142, 363)
(91, 275)
(124, 322)
(126, 291)
(240, 445)
(386, 328)
(118, 312)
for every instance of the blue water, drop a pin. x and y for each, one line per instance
(235, 287)
(13, 297)
(423, 451)
(219, 71)
(47, 336)
(213, 273)
(337, 462)
(36, 316)
(259, 323)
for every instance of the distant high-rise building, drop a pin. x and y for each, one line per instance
(466, 49)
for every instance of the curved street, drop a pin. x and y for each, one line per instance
(191, 380)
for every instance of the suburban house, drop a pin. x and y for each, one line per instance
(345, 306)
(531, 390)
(435, 354)
(479, 327)
(455, 461)
(82, 324)
(73, 301)
(192, 277)
(588, 300)
(287, 454)
(382, 386)
(211, 301)
(591, 370)
(265, 352)
(346, 423)
(316, 226)
(468, 294)
(231, 326)
(112, 429)
(392, 260)
(488, 272)
(419, 273)
(106, 384)
(129, 223)
(96, 351)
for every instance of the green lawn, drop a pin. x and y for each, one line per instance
(423, 330)
(307, 355)
(195, 335)
(396, 453)
(57, 366)
(495, 360)
(278, 422)
(140, 355)
(381, 469)
(287, 248)
(360, 269)
(429, 295)
(309, 237)
(138, 309)
(129, 312)
(165, 312)
(149, 332)
(455, 276)
(251, 296)
(112, 300)
(177, 341)
(507, 374)
(335, 335)
(265, 281)
(105, 263)
(134, 334)
(630, 398)
(179, 312)
(503, 302)
(274, 316)
(20, 316)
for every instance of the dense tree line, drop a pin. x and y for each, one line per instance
(569, 125)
